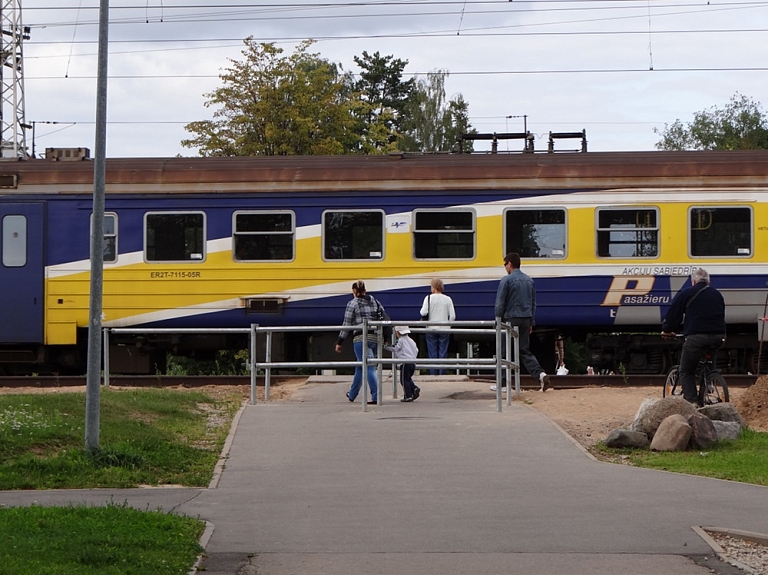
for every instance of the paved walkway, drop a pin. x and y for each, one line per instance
(439, 486)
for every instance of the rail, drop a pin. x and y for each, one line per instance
(507, 347)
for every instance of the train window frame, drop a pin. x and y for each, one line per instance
(15, 240)
(198, 256)
(110, 238)
(420, 234)
(270, 233)
(602, 232)
(374, 255)
(742, 252)
(521, 249)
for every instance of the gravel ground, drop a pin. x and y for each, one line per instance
(752, 556)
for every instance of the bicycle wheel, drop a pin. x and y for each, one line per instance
(672, 384)
(714, 389)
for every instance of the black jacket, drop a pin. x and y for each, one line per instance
(697, 309)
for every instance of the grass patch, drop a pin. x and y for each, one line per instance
(111, 540)
(147, 437)
(740, 460)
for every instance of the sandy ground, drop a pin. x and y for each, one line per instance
(587, 414)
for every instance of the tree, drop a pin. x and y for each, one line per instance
(434, 125)
(270, 104)
(740, 125)
(384, 98)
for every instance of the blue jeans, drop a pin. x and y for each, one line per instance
(437, 346)
(357, 380)
(694, 347)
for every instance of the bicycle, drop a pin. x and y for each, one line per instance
(709, 381)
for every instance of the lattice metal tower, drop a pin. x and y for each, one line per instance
(14, 141)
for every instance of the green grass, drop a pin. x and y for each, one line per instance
(112, 540)
(147, 436)
(742, 460)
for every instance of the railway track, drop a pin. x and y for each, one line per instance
(526, 382)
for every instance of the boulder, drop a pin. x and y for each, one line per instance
(723, 412)
(626, 438)
(703, 432)
(650, 415)
(672, 434)
(727, 429)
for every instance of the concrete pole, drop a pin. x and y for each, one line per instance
(93, 379)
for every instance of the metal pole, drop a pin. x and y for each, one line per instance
(268, 373)
(252, 360)
(92, 387)
(498, 364)
(106, 357)
(364, 367)
(517, 360)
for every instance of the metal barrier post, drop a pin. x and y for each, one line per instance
(507, 366)
(106, 356)
(364, 357)
(268, 359)
(498, 364)
(252, 361)
(517, 360)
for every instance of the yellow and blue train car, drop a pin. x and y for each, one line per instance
(226, 242)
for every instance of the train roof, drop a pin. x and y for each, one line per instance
(395, 171)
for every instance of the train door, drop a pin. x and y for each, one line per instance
(21, 273)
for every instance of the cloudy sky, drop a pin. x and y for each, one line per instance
(617, 69)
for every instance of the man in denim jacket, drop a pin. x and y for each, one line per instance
(516, 304)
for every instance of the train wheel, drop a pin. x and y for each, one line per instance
(715, 390)
(672, 384)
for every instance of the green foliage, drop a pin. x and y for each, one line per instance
(434, 125)
(148, 436)
(384, 99)
(111, 540)
(740, 125)
(226, 362)
(741, 460)
(301, 104)
(276, 105)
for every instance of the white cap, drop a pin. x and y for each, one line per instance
(402, 329)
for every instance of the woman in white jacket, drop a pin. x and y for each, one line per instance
(437, 307)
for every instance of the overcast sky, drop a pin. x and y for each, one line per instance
(616, 69)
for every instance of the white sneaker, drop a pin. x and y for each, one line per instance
(545, 382)
(493, 388)
(503, 389)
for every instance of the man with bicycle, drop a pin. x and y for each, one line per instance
(700, 311)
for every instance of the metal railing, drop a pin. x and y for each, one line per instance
(506, 337)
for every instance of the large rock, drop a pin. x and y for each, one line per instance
(703, 432)
(672, 434)
(651, 414)
(723, 412)
(727, 430)
(624, 438)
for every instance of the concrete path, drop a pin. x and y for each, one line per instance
(437, 486)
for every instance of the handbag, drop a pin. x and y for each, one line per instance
(425, 317)
(382, 315)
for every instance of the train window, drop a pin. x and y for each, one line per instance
(14, 241)
(174, 236)
(721, 231)
(627, 232)
(110, 237)
(263, 236)
(535, 233)
(353, 235)
(444, 234)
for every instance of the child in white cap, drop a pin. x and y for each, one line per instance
(406, 348)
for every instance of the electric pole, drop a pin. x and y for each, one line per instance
(12, 36)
